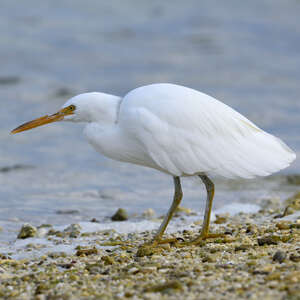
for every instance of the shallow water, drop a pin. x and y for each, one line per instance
(245, 54)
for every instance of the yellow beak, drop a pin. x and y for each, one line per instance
(43, 120)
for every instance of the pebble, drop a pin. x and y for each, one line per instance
(73, 231)
(148, 213)
(108, 260)
(218, 268)
(183, 210)
(88, 251)
(242, 247)
(283, 225)
(294, 257)
(167, 285)
(268, 240)
(27, 231)
(133, 270)
(73, 227)
(41, 232)
(221, 219)
(279, 256)
(67, 211)
(120, 215)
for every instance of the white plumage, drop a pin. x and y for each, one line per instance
(183, 132)
(178, 131)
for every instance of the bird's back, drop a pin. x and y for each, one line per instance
(186, 132)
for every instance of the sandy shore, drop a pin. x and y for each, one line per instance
(258, 257)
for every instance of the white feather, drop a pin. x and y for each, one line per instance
(184, 132)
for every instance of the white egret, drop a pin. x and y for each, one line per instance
(178, 131)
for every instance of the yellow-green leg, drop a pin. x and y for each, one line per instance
(210, 188)
(176, 201)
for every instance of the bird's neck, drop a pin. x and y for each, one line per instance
(105, 112)
(108, 139)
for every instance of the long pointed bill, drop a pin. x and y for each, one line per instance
(39, 122)
(69, 110)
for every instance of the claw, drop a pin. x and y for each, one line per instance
(199, 240)
(179, 242)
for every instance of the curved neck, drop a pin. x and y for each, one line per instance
(107, 139)
(106, 113)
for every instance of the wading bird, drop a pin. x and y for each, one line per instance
(178, 131)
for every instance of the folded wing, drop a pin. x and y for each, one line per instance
(186, 132)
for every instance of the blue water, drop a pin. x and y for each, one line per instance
(245, 53)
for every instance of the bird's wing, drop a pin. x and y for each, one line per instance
(187, 132)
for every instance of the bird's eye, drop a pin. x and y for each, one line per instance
(72, 107)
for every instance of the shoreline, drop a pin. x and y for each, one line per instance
(257, 257)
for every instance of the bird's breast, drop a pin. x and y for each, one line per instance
(117, 144)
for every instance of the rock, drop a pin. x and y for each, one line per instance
(86, 252)
(273, 276)
(150, 269)
(283, 225)
(120, 215)
(107, 260)
(73, 227)
(27, 231)
(40, 296)
(57, 254)
(133, 270)
(293, 277)
(45, 226)
(67, 211)
(209, 258)
(148, 250)
(295, 258)
(268, 240)
(243, 247)
(251, 229)
(221, 219)
(296, 225)
(94, 220)
(279, 256)
(73, 230)
(4, 256)
(176, 285)
(42, 232)
(293, 179)
(183, 210)
(148, 213)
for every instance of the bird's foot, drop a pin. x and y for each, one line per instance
(200, 240)
(156, 246)
(165, 241)
(158, 242)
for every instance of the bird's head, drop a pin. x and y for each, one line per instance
(87, 107)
